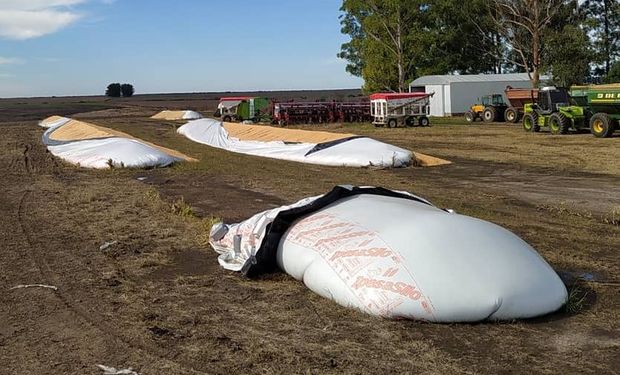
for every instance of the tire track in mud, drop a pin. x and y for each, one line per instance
(90, 318)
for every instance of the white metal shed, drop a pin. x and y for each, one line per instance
(454, 94)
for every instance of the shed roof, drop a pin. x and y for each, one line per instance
(451, 78)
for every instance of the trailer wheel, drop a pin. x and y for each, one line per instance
(530, 122)
(470, 116)
(392, 123)
(601, 125)
(511, 115)
(423, 121)
(559, 123)
(410, 121)
(227, 118)
(489, 114)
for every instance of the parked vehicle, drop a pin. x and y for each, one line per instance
(243, 108)
(554, 109)
(490, 108)
(394, 109)
(517, 99)
(603, 107)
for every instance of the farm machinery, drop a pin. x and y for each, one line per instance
(494, 108)
(243, 108)
(285, 113)
(596, 108)
(491, 108)
(517, 99)
(394, 109)
(258, 109)
(554, 109)
(602, 105)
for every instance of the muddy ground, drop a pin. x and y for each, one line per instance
(156, 300)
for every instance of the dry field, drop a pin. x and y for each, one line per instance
(157, 301)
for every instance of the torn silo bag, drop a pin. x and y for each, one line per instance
(396, 255)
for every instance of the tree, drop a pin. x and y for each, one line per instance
(614, 74)
(567, 55)
(394, 41)
(522, 25)
(567, 52)
(113, 90)
(382, 27)
(127, 90)
(603, 23)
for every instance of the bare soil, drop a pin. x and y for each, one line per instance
(157, 301)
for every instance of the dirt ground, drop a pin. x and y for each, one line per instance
(157, 301)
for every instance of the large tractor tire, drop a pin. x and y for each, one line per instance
(601, 125)
(470, 116)
(424, 121)
(559, 123)
(511, 115)
(530, 122)
(392, 123)
(489, 114)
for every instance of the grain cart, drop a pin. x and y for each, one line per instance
(393, 109)
(603, 107)
(491, 108)
(553, 108)
(243, 108)
(517, 99)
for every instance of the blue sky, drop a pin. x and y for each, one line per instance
(77, 47)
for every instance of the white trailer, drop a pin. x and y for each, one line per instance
(394, 109)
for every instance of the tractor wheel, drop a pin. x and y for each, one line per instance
(392, 123)
(559, 123)
(511, 115)
(530, 122)
(601, 125)
(424, 121)
(489, 114)
(470, 116)
(410, 121)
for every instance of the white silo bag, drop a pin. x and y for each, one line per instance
(395, 255)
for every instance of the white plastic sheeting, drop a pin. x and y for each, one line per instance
(356, 152)
(396, 256)
(101, 152)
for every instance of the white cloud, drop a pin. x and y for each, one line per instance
(10, 60)
(24, 19)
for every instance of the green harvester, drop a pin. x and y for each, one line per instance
(602, 103)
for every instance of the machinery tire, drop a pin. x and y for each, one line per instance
(559, 123)
(601, 125)
(392, 123)
(489, 114)
(410, 121)
(227, 118)
(424, 121)
(470, 116)
(511, 115)
(530, 122)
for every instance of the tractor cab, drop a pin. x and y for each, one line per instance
(551, 99)
(493, 100)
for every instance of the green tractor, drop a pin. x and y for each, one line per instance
(554, 109)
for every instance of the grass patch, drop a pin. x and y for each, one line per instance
(181, 208)
(576, 301)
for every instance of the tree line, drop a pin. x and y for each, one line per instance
(392, 42)
(116, 90)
